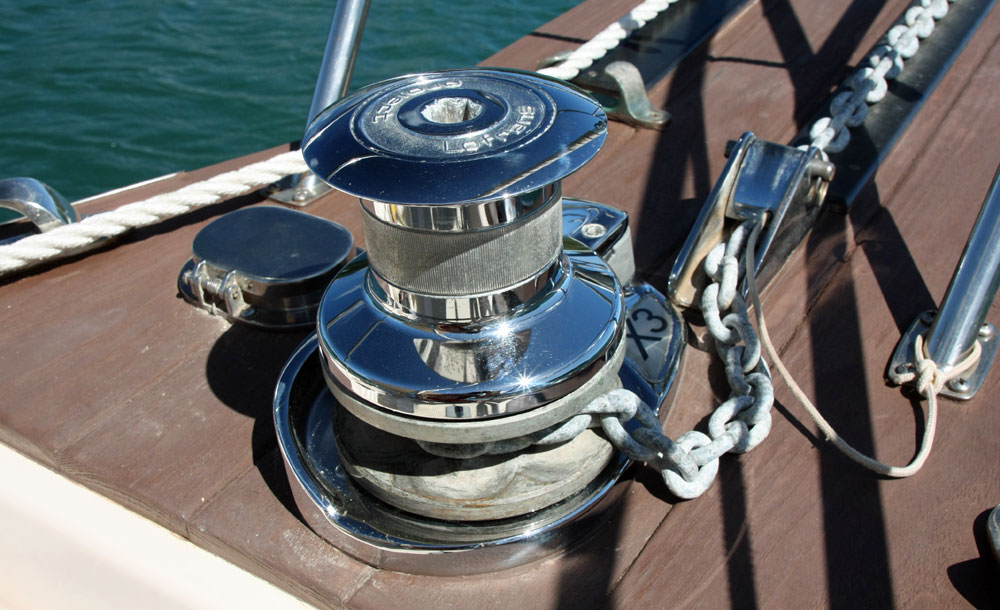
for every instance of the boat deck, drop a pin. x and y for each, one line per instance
(111, 379)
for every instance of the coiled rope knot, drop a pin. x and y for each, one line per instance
(930, 379)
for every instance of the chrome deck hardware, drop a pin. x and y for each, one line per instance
(43, 207)
(37, 201)
(961, 322)
(332, 83)
(780, 185)
(265, 266)
(486, 308)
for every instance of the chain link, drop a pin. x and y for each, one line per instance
(869, 84)
(740, 423)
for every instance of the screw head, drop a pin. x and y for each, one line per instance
(927, 317)
(593, 230)
(986, 331)
(960, 385)
(300, 195)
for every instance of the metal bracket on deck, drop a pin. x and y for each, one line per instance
(633, 106)
(298, 190)
(211, 292)
(779, 185)
(43, 206)
(653, 51)
(37, 201)
(621, 90)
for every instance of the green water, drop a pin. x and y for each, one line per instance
(97, 94)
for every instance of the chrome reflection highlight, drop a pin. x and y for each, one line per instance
(465, 216)
(541, 350)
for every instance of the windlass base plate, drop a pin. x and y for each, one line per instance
(355, 521)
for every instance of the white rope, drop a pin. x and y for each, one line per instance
(609, 38)
(79, 236)
(929, 382)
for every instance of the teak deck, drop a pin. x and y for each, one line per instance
(111, 379)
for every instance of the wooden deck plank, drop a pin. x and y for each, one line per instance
(171, 450)
(255, 524)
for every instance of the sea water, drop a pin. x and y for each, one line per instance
(98, 94)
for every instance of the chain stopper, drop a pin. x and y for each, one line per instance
(762, 180)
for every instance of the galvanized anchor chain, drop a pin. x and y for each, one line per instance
(868, 85)
(743, 420)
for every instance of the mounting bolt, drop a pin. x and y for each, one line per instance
(986, 331)
(818, 168)
(960, 385)
(927, 317)
(593, 230)
(300, 195)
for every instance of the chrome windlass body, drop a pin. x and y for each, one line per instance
(541, 350)
(467, 305)
(483, 311)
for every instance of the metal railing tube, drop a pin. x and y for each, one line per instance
(332, 83)
(338, 59)
(972, 288)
